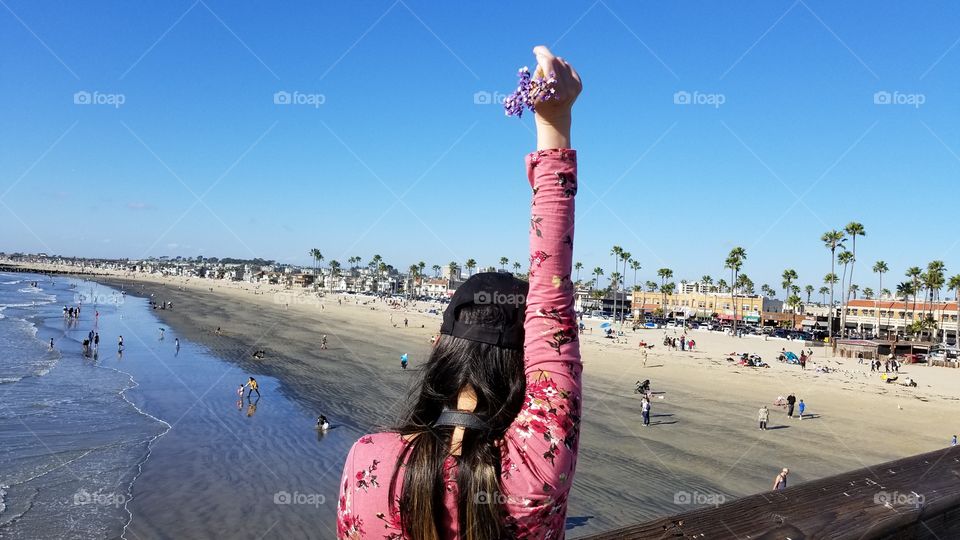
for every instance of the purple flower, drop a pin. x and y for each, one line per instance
(530, 90)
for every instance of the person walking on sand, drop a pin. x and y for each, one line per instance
(644, 354)
(645, 410)
(800, 408)
(253, 386)
(954, 441)
(403, 361)
(764, 417)
(780, 482)
(96, 341)
(791, 401)
(323, 342)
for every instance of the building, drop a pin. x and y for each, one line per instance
(890, 318)
(684, 305)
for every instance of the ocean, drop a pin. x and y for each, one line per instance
(150, 441)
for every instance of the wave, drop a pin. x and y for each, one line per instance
(3, 492)
(8, 380)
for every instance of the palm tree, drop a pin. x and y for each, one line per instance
(853, 290)
(832, 240)
(317, 257)
(953, 284)
(809, 290)
(789, 276)
(706, 282)
(616, 251)
(904, 290)
(880, 268)
(597, 272)
(868, 293)
(845, 258)
(436, 270)
(665, 274)
(578, 266)
(453, 268)
(516, 267)
(914, 273)
(824, 291)
(794, 301)
(651, 286)
(853, 230)
(504, 262)
(625, 257)
(735, 263)
(768, 291)
(470, 265)
(635, 266)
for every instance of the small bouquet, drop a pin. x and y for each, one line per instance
(530, 90)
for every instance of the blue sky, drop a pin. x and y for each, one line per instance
(399, 159)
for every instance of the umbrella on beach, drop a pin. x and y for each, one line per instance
(605, 325)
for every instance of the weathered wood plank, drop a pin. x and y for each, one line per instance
(914, 497)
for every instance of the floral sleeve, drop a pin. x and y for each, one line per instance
(541, 450)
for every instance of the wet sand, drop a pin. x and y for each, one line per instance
(703, 446)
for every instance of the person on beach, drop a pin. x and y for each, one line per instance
(96, 341)
(780, 482)
(323, 342)
(403, 361)
(645, 410)
(51, 344)
(643, 354)
(791, 401)
(764, 417)
(954, 441)
(801, 407)
(322, 423)
(488, 446)
(120, 344)
(240, 391)
(253, 387)
(176, 342)
(162, 330)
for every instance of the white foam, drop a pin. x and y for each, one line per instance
(3, 492)
(6, 380)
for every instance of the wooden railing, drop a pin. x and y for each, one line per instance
(914, 497)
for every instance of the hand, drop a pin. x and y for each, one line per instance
(553, 117)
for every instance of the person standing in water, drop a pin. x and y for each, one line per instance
(177, 343)
(253, 387)
(51, 344)
(120, 344)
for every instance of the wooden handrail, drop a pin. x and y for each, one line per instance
(913, 497)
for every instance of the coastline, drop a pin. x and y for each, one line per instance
(704, 438)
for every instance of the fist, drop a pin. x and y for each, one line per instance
(568, 87)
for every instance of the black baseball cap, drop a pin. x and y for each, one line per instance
(497, 289)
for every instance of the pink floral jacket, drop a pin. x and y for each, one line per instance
(540, 448)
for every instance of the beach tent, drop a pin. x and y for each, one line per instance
(605, 325)
(791, 358)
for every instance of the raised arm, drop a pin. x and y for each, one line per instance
(542, 444)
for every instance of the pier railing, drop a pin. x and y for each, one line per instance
(914, 497)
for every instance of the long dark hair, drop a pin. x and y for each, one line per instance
(496, 374)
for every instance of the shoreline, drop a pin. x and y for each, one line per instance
(704, 438)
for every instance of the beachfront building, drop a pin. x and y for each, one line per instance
(705, 305)
(586, 301)
(891, 318)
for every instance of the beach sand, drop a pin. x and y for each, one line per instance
(703, 446)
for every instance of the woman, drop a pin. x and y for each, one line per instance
(488, 447)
